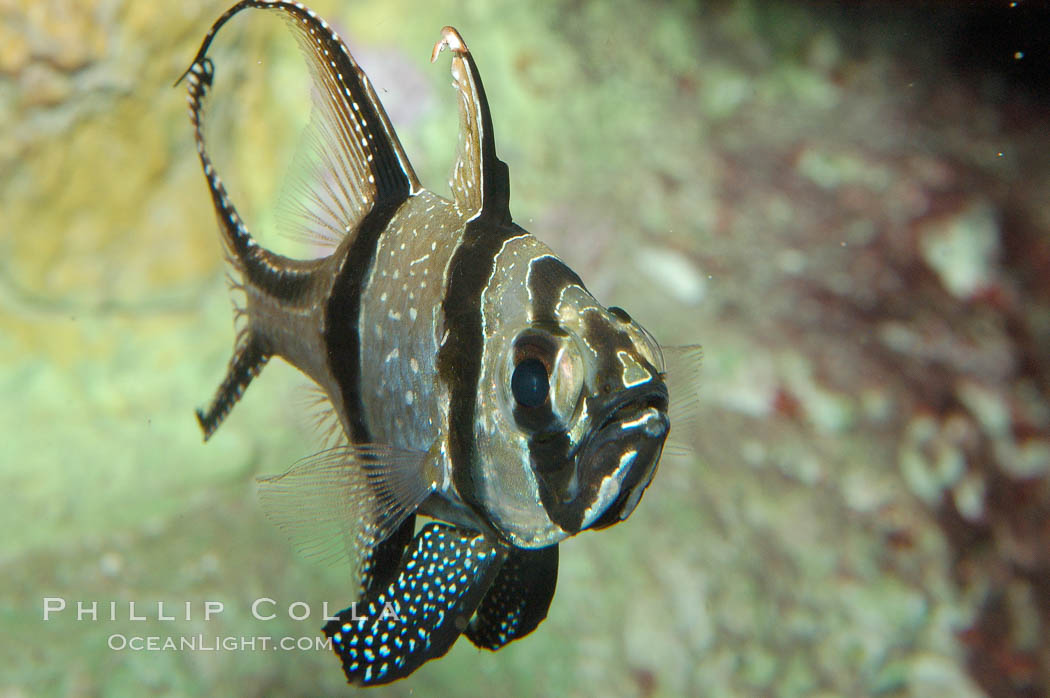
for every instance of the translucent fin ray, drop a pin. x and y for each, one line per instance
(480, 181)
(356, 142)
(337, 505)
(682, 373)
(355, 161)
(272, 273)
(321, 416)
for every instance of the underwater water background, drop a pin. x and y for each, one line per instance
(847, 204)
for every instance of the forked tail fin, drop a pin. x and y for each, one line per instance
(248, 359)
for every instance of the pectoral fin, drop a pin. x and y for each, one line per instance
(343, 503)
(682, 373)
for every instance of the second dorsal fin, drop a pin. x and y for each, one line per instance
(358, 164)
(480, 181)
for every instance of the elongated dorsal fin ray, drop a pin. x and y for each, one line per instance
(480, 181)
(315, 206)
(682, 372)
(359, 163)
(358, 160)
(337, 505)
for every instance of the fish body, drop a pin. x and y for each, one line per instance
(472, 376)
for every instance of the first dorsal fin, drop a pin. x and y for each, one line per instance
(480, 181)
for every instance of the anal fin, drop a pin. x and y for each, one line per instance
(518, 599)
(441, 581)
(381, 564)
(248, 359)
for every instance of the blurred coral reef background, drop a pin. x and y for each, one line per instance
(847, 204)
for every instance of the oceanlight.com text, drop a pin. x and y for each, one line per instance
(119, 642)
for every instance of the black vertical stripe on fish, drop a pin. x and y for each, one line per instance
(567, 489)
(478, 169)
(445, 573)
(518, 599)
(247, 362)
(460, 355)
(343, 316)
(550, 452)
(362, 129)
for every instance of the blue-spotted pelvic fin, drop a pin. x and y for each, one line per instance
(518, 599)
(419, 616)
(362, 169)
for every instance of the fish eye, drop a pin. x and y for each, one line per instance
(542, 380)
(530, 384)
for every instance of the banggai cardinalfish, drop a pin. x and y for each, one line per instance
(470, 376)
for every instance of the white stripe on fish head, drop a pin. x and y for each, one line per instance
(552, 466)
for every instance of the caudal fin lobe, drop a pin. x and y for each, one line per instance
(248, 360)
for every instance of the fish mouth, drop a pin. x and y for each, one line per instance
(630, 406)
(618, 461)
